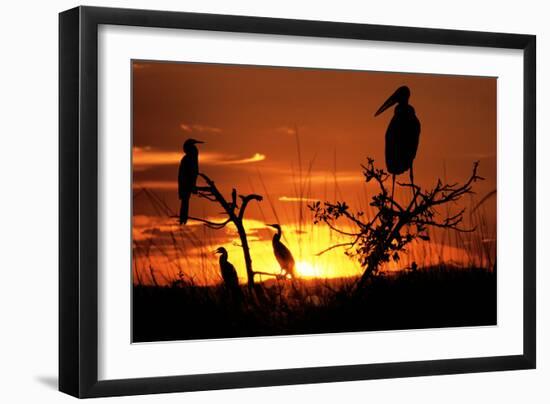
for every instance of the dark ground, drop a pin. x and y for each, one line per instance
(429, 298)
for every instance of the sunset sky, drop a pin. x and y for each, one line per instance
(293, 136)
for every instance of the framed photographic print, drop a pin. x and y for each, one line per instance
(251, 201)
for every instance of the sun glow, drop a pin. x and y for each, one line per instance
(174, 251)
(307, 269)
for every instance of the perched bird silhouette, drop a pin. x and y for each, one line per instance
(282, 253)
(229, 274)
(402, 135)
(187, 176)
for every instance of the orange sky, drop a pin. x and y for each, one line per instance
(248, 117)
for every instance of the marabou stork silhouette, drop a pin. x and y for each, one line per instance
(187, 176)
(229, 274)
(282, 253)
(402, 135)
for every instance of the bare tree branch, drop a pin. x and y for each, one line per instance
(213, 194)
(245, 200)
(212, 225)
(267, 274)
(332, 247)
(394, 226)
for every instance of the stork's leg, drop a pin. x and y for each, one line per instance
(412, 183)
(392, 185)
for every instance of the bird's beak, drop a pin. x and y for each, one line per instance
(218, 251)
(389, 102)
(199, 142)
(271, 225)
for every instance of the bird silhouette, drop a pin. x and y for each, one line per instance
(402, 135)
(187, 176)
(282, 253)
(229, 274)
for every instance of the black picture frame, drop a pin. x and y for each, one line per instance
(78, 203)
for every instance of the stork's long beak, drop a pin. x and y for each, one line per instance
(271, 225)
(199, 142)
(389, 102)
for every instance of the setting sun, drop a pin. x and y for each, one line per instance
(306, 269)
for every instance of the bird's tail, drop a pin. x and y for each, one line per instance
(184, 209)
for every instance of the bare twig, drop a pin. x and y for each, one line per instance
(245, 200)
(332, 247)
(212, 225)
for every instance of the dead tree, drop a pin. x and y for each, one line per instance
(383, 237)
(235, 214)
